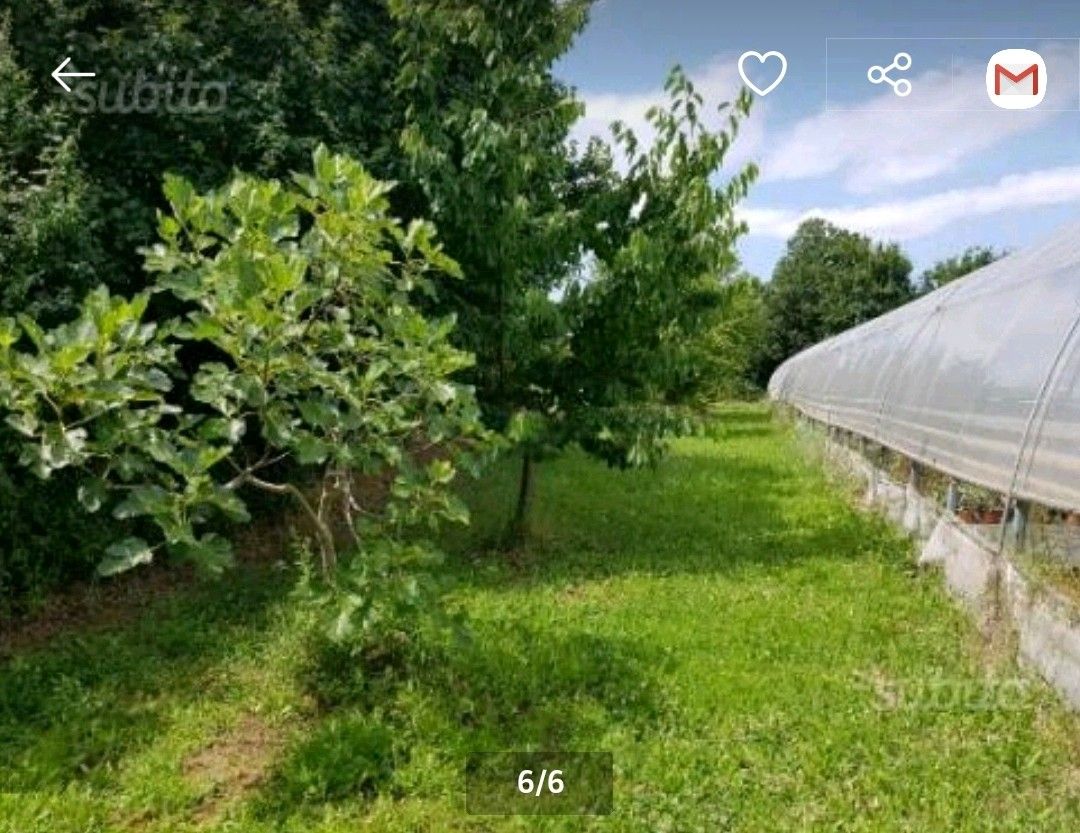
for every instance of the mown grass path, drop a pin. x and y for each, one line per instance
(756, 654)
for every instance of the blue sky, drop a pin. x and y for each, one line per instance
(937, 171)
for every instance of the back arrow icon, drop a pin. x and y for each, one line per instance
(60, 76)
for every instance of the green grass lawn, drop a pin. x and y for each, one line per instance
(756, 655)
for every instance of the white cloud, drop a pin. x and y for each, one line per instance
(717, 82)
(907, 219)
(883, 142)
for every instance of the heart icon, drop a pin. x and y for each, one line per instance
(762, 59)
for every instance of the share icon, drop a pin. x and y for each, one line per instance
(880, 75)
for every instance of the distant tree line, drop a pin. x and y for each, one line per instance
(830, 279)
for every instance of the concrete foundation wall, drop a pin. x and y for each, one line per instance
(1048, 631)
(984, 580)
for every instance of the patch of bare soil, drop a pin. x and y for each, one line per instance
(91, 606)
(100, 604)
(231, 766)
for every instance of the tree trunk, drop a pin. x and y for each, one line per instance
(519, 527)
(327, 547)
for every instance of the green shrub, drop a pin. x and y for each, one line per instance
(46, 540)
(371, 623)
(306, 357)
(49, 252)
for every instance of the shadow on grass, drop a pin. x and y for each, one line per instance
(706, 509)
(504, 689)
(72, 712)
(737, 502)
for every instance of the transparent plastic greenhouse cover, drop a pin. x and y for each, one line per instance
(979, 379)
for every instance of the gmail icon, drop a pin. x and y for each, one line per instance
(1016, 79)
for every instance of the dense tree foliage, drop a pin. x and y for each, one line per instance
(952, 268)
(629, 344)
(50, 246)
(318, 358)
(485, 144)
(735, 346)
(644, 324)
(828, 280)
(296, 75)
(49, 237)
(598, 300)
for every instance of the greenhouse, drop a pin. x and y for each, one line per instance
(979, 380)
